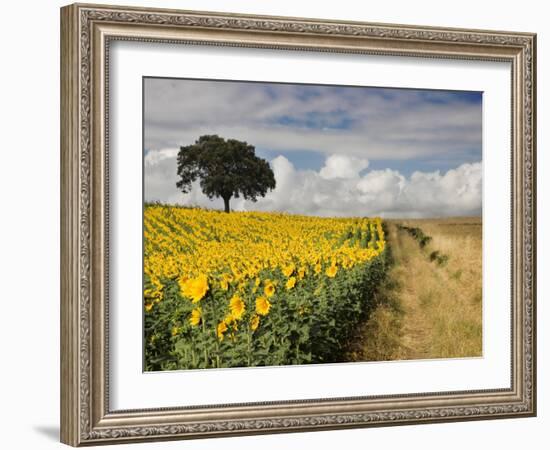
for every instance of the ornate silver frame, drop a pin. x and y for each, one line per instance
(86, 31)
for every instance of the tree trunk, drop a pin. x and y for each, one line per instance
(226, 203)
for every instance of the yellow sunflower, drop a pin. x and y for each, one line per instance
(291, 283)
(224, 285)
(237, 306)
(222, 328)
(195, 318)
(288, 270)
(262, 306)
(182, 279)
(196, 288)
(331, 271)
(230, 319)
(254, 322)
(269, 288)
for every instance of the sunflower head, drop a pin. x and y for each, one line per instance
(224, 285)
(195, 288)
(236, 305)
(262, 306)
(254, 322)
(291, 283)
(269, 289)
(195, 318)
(221, 329)
(331, 271)
(288, 270)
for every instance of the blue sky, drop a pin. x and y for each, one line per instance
(375, 130)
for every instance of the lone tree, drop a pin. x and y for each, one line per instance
(226, 168)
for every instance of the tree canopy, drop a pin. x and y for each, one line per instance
(226, 168)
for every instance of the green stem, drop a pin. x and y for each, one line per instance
(249, 349)
(193, 358)
(204, 338)
(217, 348)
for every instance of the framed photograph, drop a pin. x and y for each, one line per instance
(276, 224)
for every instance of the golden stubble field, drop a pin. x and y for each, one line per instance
(429, 307)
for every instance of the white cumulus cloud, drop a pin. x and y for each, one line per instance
(337, 189)
(343, 166)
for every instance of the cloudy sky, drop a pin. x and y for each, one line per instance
(335, 151)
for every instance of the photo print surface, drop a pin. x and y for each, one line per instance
(288, 224)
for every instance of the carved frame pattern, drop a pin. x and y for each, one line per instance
(85, 416)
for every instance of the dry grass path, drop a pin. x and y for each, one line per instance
(426, 310)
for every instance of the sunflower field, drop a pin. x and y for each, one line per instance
(254, 288)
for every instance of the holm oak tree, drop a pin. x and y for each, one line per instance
(225, 168)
